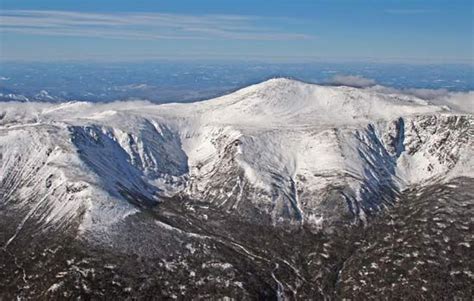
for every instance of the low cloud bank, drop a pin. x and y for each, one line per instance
(458, 101)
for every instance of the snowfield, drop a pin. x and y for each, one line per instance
(298, 153)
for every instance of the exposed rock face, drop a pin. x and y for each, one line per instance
(222, 188)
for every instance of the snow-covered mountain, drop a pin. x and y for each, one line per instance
(41, 96)
(282, 152)
(227, 197)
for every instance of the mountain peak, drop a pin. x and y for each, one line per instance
(291, 102)
(277, 84)
(275, 81)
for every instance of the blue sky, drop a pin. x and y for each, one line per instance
(328, 30)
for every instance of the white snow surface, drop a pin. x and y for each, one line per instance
(279, 145)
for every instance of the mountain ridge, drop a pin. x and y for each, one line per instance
(271, 147)
(233, 197)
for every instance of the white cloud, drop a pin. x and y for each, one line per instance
(458, 101)
(427, 93)
(352, 81)
(149, 26)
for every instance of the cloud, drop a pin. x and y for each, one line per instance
(458, 101)
(427, 93)
(143, 26)
(351, 81)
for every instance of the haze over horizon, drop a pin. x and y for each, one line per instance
(417, 31)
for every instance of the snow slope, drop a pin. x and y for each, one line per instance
(296, 153)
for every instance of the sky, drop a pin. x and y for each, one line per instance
(411, 31)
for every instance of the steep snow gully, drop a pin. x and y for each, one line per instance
(271, 192)
(296, 153)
